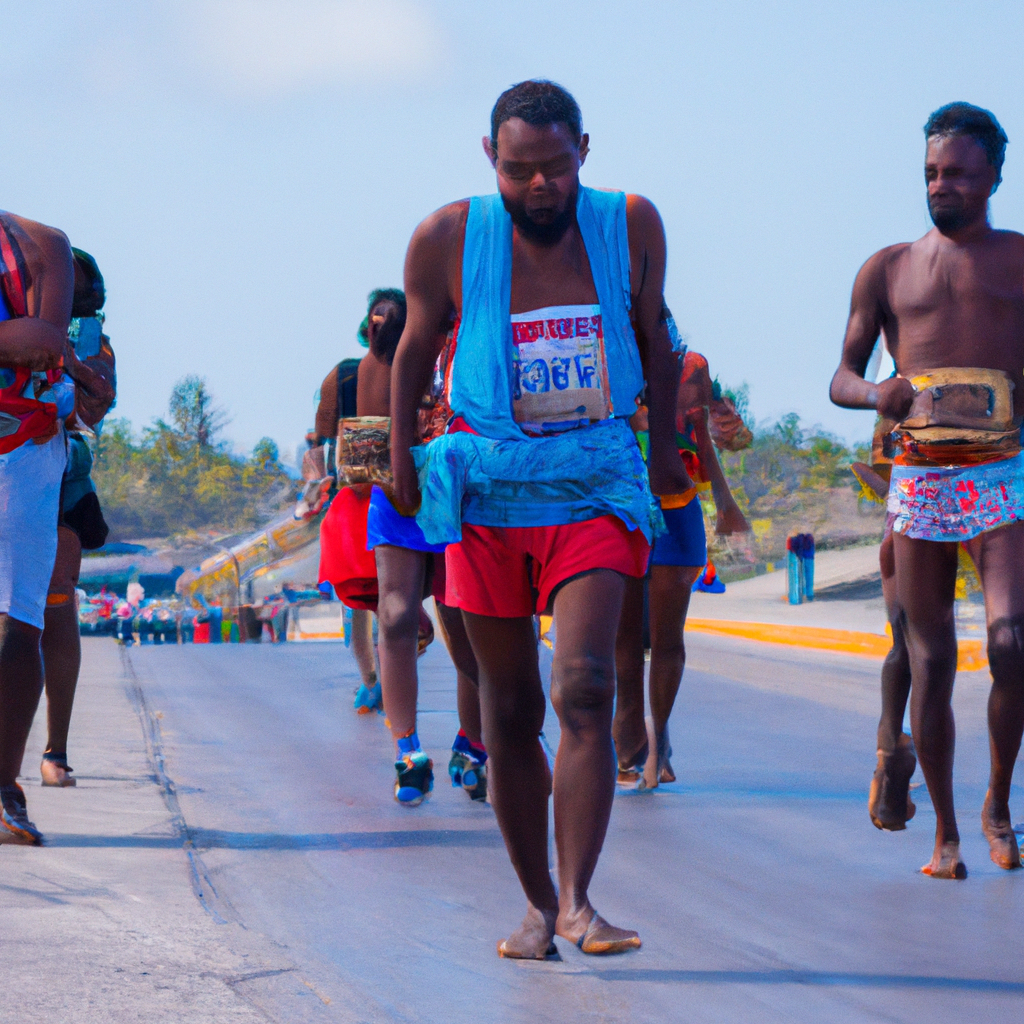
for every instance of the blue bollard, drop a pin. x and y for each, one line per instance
(794, 575)
(808, 566)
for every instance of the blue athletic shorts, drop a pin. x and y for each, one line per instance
(384, 525)
(684, 544)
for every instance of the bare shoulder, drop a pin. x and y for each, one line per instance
(875, 271)
(642, 215)
(51, 241)
(1013, 241)
(443, 227)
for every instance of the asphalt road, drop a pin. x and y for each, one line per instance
(232, 853)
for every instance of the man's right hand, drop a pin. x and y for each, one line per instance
(405, 494)
(31, 343)
(895, 397)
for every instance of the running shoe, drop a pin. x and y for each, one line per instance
(415, 778)
(55, 771)
(369, 699)
(14, 816)
(468, 767)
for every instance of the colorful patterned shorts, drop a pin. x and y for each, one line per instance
(955, 503)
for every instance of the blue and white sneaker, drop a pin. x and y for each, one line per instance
(415, 779)
(415, 772)
(468, 768)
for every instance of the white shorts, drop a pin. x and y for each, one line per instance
(30, 479)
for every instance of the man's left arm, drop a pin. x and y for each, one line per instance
(661, 365)
(96, 380)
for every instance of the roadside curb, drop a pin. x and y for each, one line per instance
(970, 653)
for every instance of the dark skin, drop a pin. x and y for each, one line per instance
(538, 170)
(38, 342)
(400, 574)
(669, 589)
(954, 298)
(62, 649)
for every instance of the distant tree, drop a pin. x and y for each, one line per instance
(195, 416)
(177, 477)
(266, 453)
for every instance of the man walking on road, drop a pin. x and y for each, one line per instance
(557, 294)
(951, 306)
(36, 286)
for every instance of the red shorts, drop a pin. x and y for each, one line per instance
(344, 561)
(511, 572)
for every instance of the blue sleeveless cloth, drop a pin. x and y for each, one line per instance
(503, 477)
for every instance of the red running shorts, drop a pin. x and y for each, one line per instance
(511, 572)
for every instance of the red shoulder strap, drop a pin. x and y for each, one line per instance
(13, 275)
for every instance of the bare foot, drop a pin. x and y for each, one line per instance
(658, 768)
(946, 862)
(596, 937)
(995, 823)
(532, 939)
(889, 803)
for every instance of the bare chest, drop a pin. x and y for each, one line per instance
(957, 309)
(555, 276)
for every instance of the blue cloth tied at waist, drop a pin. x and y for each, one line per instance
(543, 481)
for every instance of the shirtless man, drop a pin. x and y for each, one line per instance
(953, 299)
(402, 566)
(558, 314)
(36, 286)
(379, 332)
(677, 559)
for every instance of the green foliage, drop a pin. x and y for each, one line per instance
(740, 399)
(785, 459)
(178, 477)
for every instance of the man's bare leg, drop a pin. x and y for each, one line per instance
(21, 683)
(926, 581)
(362, 646)
(999, 557)
(512, 708)
(889, 803)
(62, 657)
(628, 728)
(583, 695)
(400, 575)
(670, 588)
(453, 631)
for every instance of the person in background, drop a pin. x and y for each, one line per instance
(677, 559)
(89, 361)
(36, 289)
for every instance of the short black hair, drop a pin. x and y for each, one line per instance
(395, 295)
(538, 102)
(975, 122)
(89, 306)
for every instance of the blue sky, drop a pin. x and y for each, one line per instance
(245, 171)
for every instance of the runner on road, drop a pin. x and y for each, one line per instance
(677, 559)
(403, 563)
(89, 362)
(556, 291)
(36, 286)
(951, 306)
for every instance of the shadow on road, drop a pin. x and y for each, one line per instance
(215, 839)
(816, 978)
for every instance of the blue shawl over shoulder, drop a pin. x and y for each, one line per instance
(501, 476)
